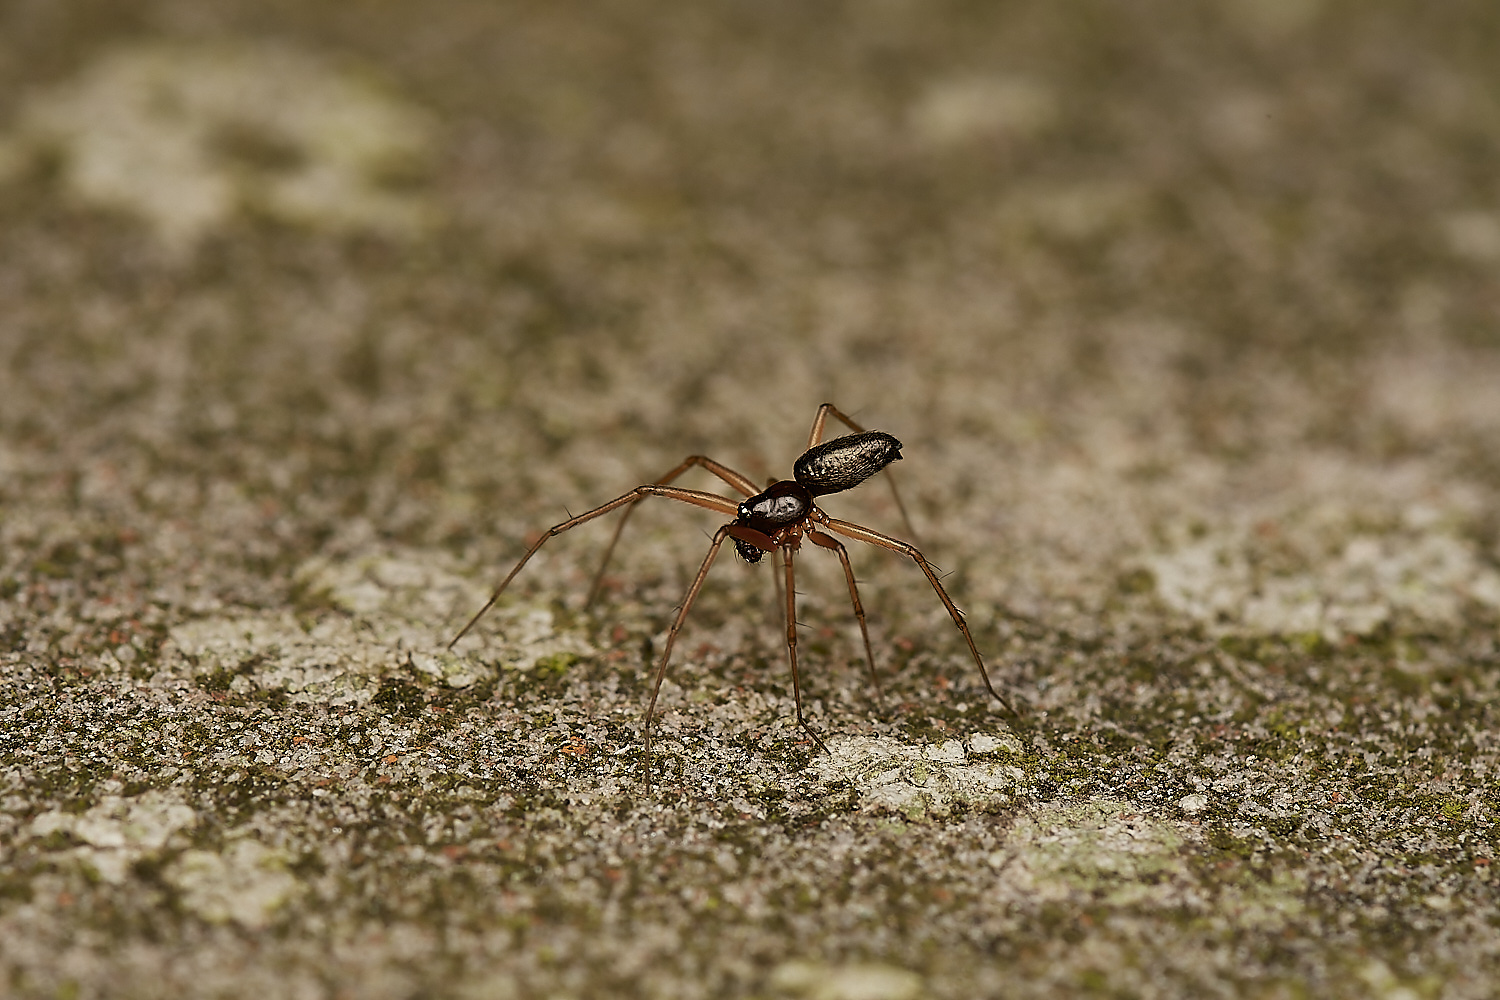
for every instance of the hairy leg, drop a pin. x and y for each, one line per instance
(907, 549)
(725, 473)
(791, 645)
(710, 500)
(829, 542)
(666, 653)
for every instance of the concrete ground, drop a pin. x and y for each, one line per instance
(311, 316)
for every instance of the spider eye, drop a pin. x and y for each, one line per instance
(744, 510)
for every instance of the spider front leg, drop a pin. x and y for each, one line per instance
(666, 653)
(710, 500)
(791, 643)
(724, 472)
(907, 549)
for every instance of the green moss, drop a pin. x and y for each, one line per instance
(548, 669)
(1094, 981)
(1221, 839)
(1136, 581)
(399, 697)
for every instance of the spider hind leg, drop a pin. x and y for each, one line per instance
(863, 534)
(829, 542)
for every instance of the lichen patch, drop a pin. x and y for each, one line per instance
(925, 780)
(1268, 581)
(384, 584)
(1106, 851)
(391, 614)
(852, 981)
(185, 137)
(118, 832)
(332, 662)
(245, 884)
(966, 108)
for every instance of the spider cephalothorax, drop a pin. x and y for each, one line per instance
(776, 516)
(774, 520)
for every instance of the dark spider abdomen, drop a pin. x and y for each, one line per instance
(844, 463)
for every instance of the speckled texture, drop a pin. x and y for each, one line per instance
(1187, 316)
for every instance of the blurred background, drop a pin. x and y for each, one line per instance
(1187, 315)
(368, 267)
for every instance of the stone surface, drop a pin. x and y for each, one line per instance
(313, 317)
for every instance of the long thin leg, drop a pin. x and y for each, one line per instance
(666, 653)
(791, 644)
(816, 437)
(906, 548)
(776, 574)
(725, 473)
(829, 542)
(824, 412)
(710, 500)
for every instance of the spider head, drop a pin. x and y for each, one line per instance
(782, 503)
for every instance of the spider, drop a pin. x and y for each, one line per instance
(776, 521)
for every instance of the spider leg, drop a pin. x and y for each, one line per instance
(666, 653)
(710, 500)
(725, 473)
(776, 574)
(816, 437)
(824, 411)
(829, 542)
(791, 645)
(906, 548)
